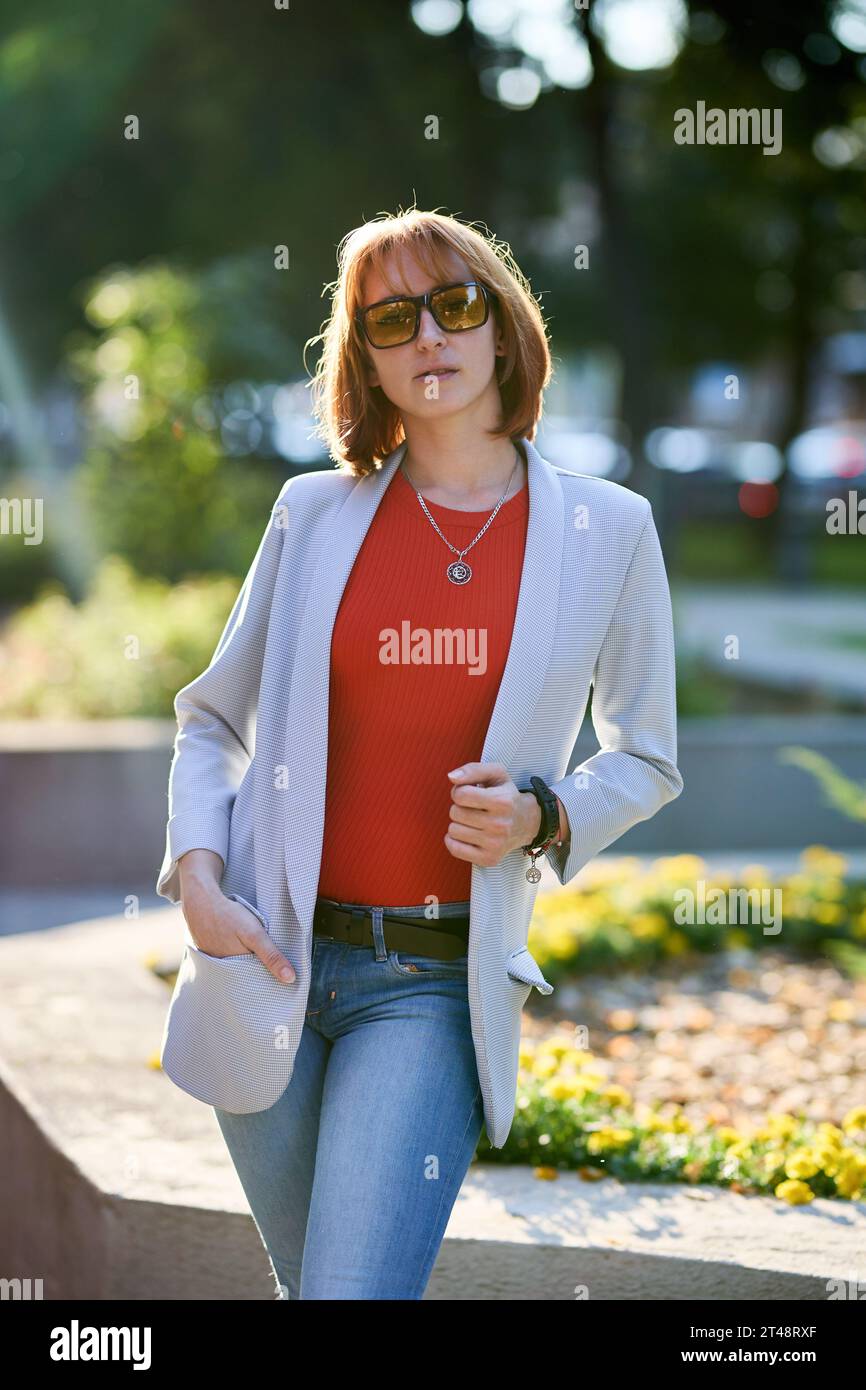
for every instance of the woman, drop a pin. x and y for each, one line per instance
(353, 828)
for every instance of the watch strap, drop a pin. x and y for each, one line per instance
(548, 830)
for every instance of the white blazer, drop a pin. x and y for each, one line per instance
(248, 773)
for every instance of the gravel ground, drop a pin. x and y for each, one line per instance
(729, 1036)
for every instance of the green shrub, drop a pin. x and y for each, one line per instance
(154, 484)
(125, 650)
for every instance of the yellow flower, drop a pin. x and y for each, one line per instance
(675, 943)
(576, 1057)
(562, 946)
(833, 888)
(545, 1066)
(820, 859)
(680, 866)
(727, 1134)
(828, 1157)
(653, 1123)
(849, 1183)
(740, 1149)
(592, 1080)
(561, 1088)
(616, 1095)
(648, 926)
(780, 1125)
(773, 1159)
(736, 938)
(681, 1125)
(855, 1119)
(829, 1134)
(557, 1045)
(802, 1164)
(796, 883)
(755, 876)
(608, 1138)
(795, 1193)
(828, 913)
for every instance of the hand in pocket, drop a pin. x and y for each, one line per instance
(221, 927)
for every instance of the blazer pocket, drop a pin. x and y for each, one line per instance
(225, 1035)
(245, 902)
(243, 955)
(524, 968)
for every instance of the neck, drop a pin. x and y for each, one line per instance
(464, 478)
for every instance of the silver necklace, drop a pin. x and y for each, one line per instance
(458, 571)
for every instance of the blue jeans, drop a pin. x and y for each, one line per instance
(352, 1175)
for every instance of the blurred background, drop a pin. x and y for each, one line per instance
(174, 182)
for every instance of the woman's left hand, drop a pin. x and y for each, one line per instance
(490, 816)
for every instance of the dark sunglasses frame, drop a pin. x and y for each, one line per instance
(420, 301)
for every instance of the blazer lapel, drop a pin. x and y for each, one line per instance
(522, 680)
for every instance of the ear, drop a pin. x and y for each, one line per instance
(372, 374)
(500, 333)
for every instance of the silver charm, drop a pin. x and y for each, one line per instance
(533, 875)
(459, 572)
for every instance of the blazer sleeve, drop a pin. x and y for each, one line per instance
(633, 714)
(216, 718)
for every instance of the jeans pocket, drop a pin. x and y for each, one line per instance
(406, 963)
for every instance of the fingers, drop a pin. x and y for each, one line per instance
(485, 774)
(262, 946)
(485, 799)
(470, 816)
(471, 853)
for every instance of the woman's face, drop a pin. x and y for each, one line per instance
(406, 373)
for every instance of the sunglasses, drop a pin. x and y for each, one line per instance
(455, 308)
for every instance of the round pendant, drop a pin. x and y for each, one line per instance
(533, 875)
(459, 572)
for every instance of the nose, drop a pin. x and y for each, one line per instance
(428, 329)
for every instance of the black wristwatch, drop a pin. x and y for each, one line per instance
(548, 831)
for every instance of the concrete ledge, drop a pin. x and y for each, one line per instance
(91, 797)
(118, 1185)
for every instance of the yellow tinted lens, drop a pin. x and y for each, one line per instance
(460, 307)
(391, 323)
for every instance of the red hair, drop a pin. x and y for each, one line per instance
(357, 423)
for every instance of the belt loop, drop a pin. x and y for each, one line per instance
(378, 933)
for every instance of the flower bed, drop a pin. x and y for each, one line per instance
(628, 916)
(569, 1117)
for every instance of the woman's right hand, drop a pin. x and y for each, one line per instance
(219, 927)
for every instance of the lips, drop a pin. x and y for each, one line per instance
(436, 371)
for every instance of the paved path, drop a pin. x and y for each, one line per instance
(787, 637)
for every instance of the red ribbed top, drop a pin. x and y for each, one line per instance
(396, 729)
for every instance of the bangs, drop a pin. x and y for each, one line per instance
(355, 420)
(430, 252)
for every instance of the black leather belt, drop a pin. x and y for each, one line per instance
(445, 939)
